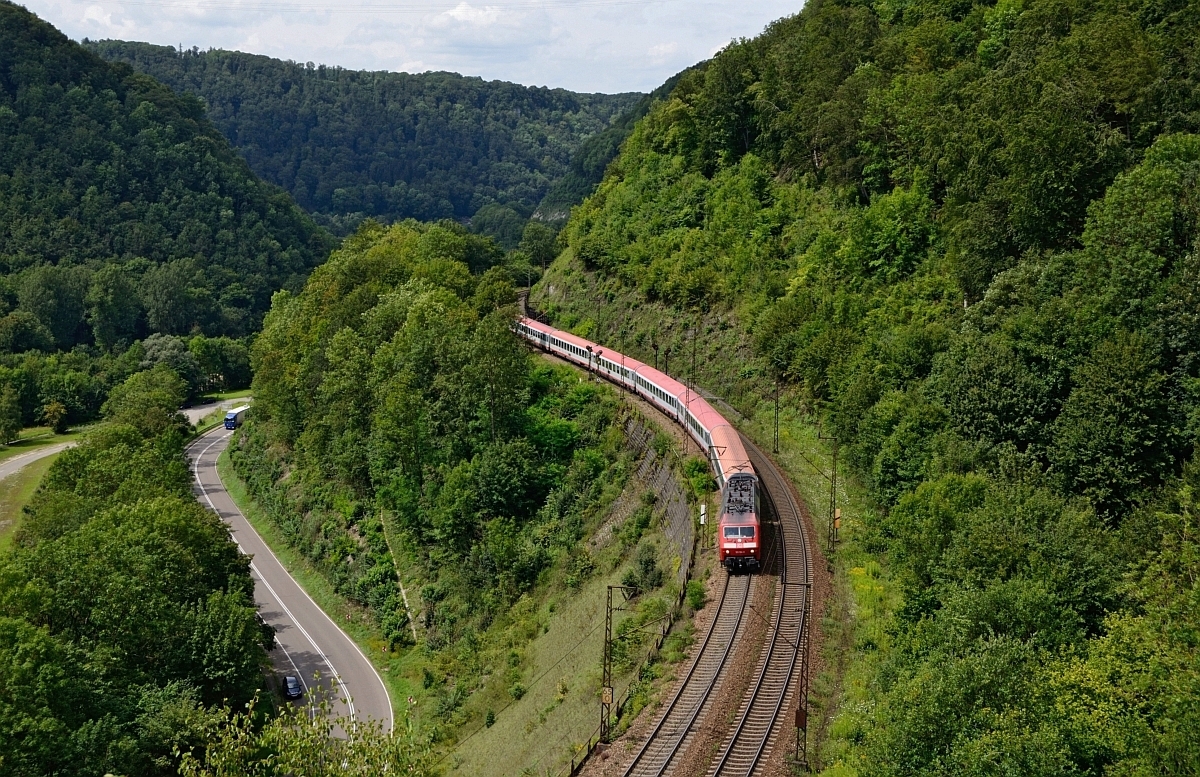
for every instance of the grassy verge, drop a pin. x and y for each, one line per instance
(855, 622)
(210, 421)
(15, 492)
(401, 670)
(559, 703)
(560, 675)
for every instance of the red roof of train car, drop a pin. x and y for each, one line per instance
(726, 441)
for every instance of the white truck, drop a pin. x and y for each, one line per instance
(234, 418)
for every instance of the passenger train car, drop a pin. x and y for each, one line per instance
(739, 539)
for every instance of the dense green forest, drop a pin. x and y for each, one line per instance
(123, 212)
(964, 235)
(400, 423)
(351, 144)
(126, 610)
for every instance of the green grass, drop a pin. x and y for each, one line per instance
(15, 492)
(401, 670)
(560, 670)
(211, 421)
(223, 395)
(35, 437)
(560, 707)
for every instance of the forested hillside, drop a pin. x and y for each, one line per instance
(964, 235)
(400, 425)
(122, 210)
(353, 144)
(592, 158)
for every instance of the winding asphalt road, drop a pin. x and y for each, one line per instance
(308, 642)
(14, 464)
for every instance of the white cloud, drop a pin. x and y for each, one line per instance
(96, 14)
(660, 53)
(465, 12)
(591, 46)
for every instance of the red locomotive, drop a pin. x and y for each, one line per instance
(739, 538)
(740, 541)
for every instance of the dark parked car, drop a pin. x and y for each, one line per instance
(292, 688)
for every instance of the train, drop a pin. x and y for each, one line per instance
(739, 537)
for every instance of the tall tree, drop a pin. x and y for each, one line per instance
(113, 307)
(10, 415)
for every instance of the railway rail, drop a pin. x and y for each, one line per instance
(759, 725)
(776, 684)
(735, 460)
(666, 741)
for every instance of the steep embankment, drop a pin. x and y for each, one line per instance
(710, 340)
(401, 428)
(963, 235)
(351, 144)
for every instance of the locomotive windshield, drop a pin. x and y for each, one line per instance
(739, 495)
(733, 532)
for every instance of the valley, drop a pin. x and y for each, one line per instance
(901, 297)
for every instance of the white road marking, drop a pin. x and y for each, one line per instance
(278, 599)
(387, 694)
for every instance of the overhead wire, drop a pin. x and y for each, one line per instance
(290, 6)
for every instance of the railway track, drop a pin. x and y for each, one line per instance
(759, 725)
(678, 720)
(775, 684)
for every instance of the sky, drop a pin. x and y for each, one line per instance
(582, 45)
